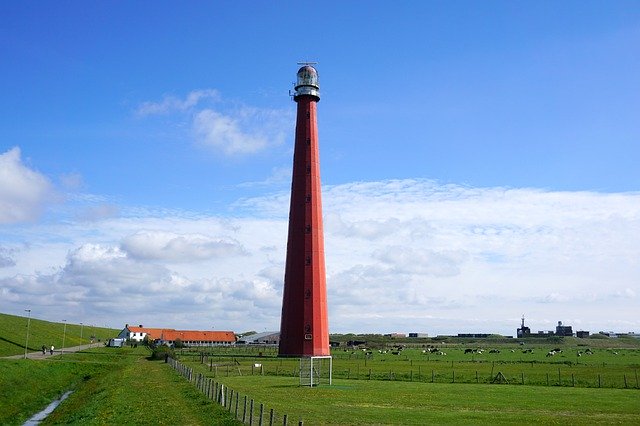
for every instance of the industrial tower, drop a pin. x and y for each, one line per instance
(304, 328)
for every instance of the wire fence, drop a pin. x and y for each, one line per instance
(242, 407)
(534, 374)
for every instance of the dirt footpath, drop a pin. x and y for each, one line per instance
(56, 352)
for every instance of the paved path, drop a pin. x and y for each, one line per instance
(56, 352)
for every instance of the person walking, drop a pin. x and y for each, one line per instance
(51, 350)
(44, 350)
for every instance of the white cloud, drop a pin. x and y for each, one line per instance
(171, 247)
(23, 192)
(278, 176)
(240, 131)
(223, 126)
(400, 255)
(171, 103)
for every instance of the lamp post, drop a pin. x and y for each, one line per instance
(26, 345)
(64, 335)
(81, 325)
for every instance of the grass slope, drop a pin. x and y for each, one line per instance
(13, 334)
(27, 386)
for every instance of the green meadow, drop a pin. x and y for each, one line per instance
(579, 363)
(389, 402)
(416, 386)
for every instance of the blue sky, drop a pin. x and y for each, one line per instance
(157, 138)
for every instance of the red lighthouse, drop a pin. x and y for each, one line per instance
(304, 328)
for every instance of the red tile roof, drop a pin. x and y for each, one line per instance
(170, 334)
(198, 336)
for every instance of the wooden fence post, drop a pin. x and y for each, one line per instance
(261, 414)
(244, 410)
(251, 412)
(236, 410)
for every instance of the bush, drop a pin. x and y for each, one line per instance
(162, 352)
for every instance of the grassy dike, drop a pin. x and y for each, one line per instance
(13, 334)
(111, 386)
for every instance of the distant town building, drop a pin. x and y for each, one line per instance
(582, 334)
(418, 335)
(396, 335)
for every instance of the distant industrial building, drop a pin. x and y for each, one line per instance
(582, 334)
(396, 335)
(563, 330)
(418, 335)
(523, 331)
(265, 338)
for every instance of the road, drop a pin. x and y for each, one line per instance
(56, 352)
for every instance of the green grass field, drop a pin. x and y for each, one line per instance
(13, 334)
(600, 366)
(111, 386)
(380, 402)
(417, 388)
